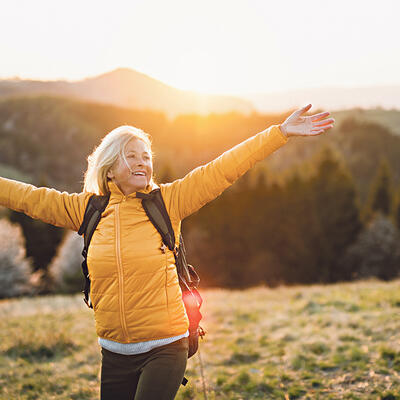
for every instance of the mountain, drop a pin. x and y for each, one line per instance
(125, 87)
(331, 98)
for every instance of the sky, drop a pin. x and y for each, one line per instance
(213, 46)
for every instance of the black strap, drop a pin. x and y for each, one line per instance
(94, 209)
(154, 206)
(91, 218)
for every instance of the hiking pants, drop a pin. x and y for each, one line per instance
(155, 375)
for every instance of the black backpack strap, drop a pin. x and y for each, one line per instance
(154, 206)
(94, 209)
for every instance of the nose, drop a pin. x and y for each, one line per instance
(139, 162)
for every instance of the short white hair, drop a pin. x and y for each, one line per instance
(107, 153)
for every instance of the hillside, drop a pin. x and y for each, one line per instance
(35, 131)
(131, 89)
(390, 119)
(128, 88)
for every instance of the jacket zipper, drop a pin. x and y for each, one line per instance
(120, 272)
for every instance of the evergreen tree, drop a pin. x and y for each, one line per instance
(166, 175)
(297, 230)
(397, 209)
(335, 204)
(216, 243)
(381, 193)
(41, 239)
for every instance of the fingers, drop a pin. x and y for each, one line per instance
(321, 129)
(303, 109)
(317, 117)
(316, 133)
(324, 122)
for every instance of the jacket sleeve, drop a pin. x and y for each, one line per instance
(49, 205)
(205, 183)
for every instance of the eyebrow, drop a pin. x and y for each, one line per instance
(133, 151)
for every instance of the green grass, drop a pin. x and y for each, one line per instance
(316, 342)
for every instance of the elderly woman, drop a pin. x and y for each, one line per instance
(140, 317)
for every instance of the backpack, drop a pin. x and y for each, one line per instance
(156, 211)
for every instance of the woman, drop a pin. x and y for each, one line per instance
(140, 318)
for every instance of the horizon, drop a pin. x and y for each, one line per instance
(334, 98)
(330, 87)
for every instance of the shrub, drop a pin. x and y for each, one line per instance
(15, 268)
(65, 267)
(376, 253)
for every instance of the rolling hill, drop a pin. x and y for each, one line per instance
(125, 87)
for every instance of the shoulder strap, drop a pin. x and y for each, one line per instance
(154, 206)
(94, 209)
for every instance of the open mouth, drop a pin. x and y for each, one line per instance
(139, 173)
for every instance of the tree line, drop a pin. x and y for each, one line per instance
(304, 230)
(264, 231)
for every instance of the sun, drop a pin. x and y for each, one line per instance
(199, 71)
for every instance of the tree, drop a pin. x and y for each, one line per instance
(15, 269)
(381, 194)
(65, 269)
(397, 210)
(296, 229)
(376, 253)
(41, 241)
(337, 214)
(167, 174)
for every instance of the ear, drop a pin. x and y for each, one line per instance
(110, 174)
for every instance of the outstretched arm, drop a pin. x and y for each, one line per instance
(185, 196)
(49, 205)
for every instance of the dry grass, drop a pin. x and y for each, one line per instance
(317, 342)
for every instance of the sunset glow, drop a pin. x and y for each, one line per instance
(219, 46)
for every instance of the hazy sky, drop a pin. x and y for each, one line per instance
(219, 46)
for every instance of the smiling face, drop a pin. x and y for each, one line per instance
(135, 172)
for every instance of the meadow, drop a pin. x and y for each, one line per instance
(336, 341)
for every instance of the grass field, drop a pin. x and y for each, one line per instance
(316, 342)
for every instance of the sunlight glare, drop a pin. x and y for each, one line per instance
(197, 70)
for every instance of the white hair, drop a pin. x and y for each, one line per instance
(107, 153)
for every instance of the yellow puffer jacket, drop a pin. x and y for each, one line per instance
(134, 284)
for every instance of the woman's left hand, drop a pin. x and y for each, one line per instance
(313, 125)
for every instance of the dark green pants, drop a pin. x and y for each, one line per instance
(156, 374)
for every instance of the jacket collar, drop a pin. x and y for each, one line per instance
(117, 196)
